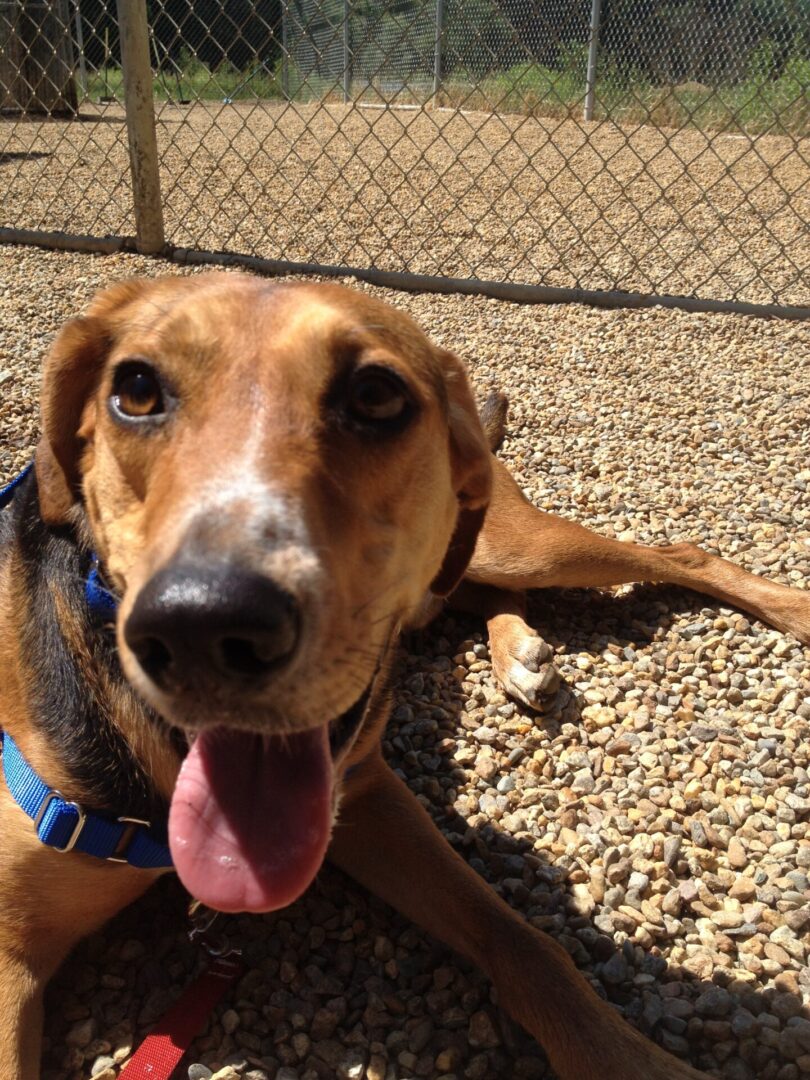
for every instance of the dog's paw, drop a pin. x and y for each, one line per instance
(522, 664)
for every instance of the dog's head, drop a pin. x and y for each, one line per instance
(273, 475)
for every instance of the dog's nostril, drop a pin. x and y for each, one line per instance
(245, 657)
(153, 656)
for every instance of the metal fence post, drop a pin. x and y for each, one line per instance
(139, 103)
(593, 51)
(437, 54)
(347, 53)
(285, 52)
(80, 49)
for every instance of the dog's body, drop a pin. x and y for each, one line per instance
(274, 478)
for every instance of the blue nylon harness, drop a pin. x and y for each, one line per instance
(61, 823)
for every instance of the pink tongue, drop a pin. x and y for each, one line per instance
(251, 816)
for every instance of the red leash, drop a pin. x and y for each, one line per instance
(159, 1054)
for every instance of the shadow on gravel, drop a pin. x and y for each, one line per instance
(339, 981)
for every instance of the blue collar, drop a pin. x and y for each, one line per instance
(61, 823)
(7, 492)
(68, 826)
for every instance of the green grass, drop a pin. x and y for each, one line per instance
(758, 104)
(754, 106)
(195, 82)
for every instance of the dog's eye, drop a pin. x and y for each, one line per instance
(378, 396)
(136, 391)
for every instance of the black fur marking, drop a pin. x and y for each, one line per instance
(66, 707)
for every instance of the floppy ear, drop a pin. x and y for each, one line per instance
(471, 471)
(69, 378)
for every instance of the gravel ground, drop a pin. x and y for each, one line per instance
(467, 194)
(656, 821)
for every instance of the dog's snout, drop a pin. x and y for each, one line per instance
(194, 625)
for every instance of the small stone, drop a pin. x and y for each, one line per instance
(672, 848)
(230, 1021)
(482, 1033)
(699, 834)
(777, 954)
(584, 782)
(743, 890)
(615, 970)
(784, 937)
(714, 1003)
(737, 855)
(638, 881)
(376, 1069)
(353, 1065)
(727, 920)
(81, 1034)
(599, 716)
(688, 891)
(743, 1024)
(448, 1060)
(487, 768)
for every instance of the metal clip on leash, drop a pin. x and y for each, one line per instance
(202, 918)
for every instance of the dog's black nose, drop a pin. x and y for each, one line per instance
(202, 625)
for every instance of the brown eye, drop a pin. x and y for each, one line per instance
(378, 397)
(136, 391)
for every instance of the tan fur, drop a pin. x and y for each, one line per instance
(359, 541)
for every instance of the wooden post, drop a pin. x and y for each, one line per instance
(139, 102)
(36, 58)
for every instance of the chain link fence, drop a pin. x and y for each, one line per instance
(533, 148)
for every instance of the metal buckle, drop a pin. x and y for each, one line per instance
(218, 946)
(121, 853)
(81, 815)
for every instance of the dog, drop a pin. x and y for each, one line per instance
(243, 491)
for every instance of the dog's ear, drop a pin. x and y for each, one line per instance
(69, 378)
(471, 471)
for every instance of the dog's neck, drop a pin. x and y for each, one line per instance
(76, 692)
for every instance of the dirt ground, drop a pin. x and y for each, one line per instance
(468, 194)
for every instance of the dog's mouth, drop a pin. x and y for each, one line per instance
(251, 814)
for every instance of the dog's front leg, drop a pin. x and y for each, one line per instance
(21, 992)
(48, 902)
(387, 841)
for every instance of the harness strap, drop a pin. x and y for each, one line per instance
(67, 826)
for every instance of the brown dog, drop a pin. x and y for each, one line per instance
(273, 478)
